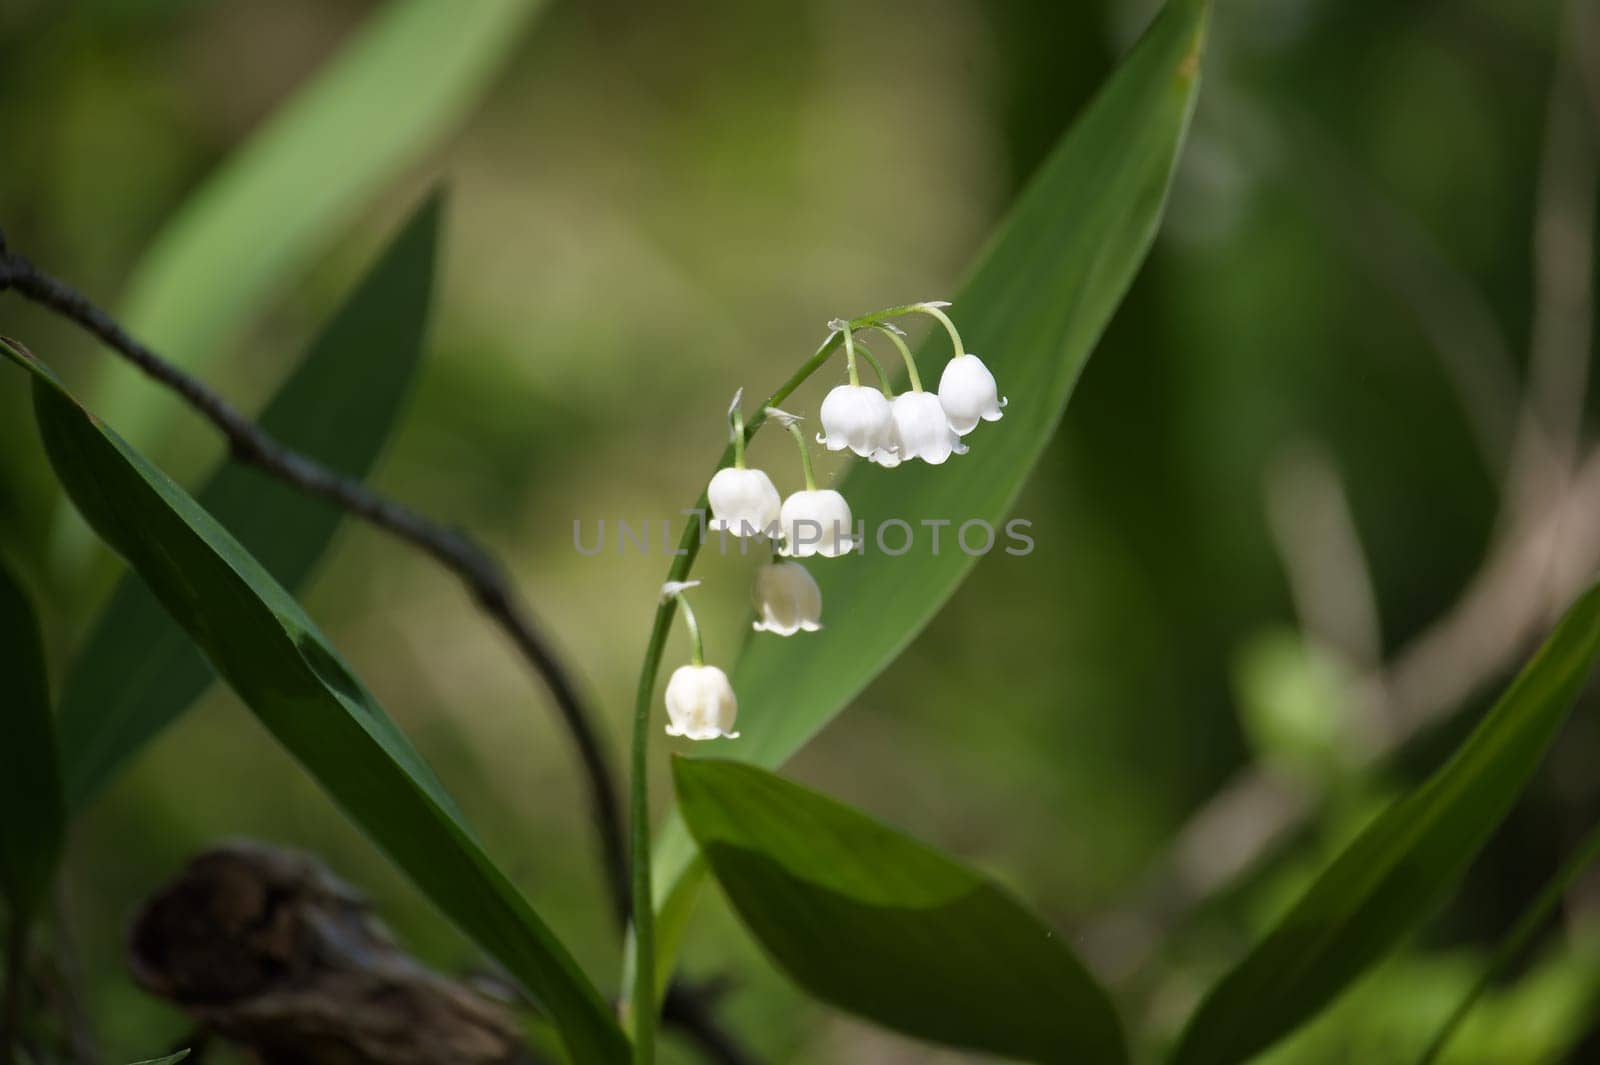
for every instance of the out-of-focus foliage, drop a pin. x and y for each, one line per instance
(32, 810)
(1398, 869)
(399, 85)
(262, 644)
(138, 670)
(660, 204)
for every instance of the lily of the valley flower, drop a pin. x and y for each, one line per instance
(788, 599)
(816, 522)
(968, 393)
(743, 502)
(855, 417)
(921, 430)
(701, 704)
(700, 701)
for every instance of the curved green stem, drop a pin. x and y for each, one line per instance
(905, 354)
(793, 425)
(944, 319)
(697, 650)
(644, 1004)
(877, 368)
(737, 417)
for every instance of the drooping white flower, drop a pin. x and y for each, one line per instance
(816, 522)
(788, 599)
(922, 430)
(968, 393)
(743, 502)
(701, 704)
(855, 417)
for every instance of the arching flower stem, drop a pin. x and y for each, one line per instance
(933, 310)
(877, 368)
(791, 423)
(905, 353)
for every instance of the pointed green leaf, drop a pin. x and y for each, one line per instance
(1041, 296)
(878, 924)
(259, 640)
(32, 813)
(393, 92)
(1401, 867)
(139, 670)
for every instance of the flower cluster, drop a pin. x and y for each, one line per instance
(874, 423)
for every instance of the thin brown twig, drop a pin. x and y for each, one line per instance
(482, 574)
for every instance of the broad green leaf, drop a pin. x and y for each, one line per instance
(394, 91)
(1038, 301)
(259, 640)
(1402, 866)
(139, 670)
(878, 924)
(32, 813)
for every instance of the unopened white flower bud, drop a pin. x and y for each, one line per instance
(701, 704)
(787, 599)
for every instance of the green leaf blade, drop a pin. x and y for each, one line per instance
(138, 670)
(32, 809)
(1042, 294)
(404, 80)
(260, 641)
(878, 924)
(1402, 866)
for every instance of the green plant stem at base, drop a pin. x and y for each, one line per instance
(1532, 919)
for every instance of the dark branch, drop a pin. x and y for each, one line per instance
(484, 577)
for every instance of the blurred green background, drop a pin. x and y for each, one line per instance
(655, 205)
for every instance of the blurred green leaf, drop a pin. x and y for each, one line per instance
(1041, 296)
(1515, 941)
(139, 670)
(266, 648)
(1399, 869)
(878, 924)
(32, 812)
(170, 1059)
(403, 81)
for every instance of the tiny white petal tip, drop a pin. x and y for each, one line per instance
(672, 588)
(784, 417)
(737, 396)
(891, 327)
(837, 325)
(935, 303)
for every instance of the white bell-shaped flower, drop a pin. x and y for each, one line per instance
(922, 429)
(788, 599)
(743, 502)
(968, 393)
(700, 704)
(816, 522)
(855, 417)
